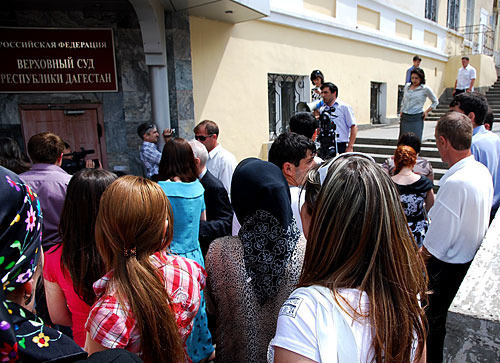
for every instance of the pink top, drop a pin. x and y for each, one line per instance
(79, 309)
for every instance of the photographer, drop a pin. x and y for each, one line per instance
(342, 123)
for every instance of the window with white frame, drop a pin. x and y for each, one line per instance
(284, 92)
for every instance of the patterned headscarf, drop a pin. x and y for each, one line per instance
(269, 234)
(20, 247)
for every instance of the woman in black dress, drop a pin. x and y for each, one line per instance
(416, 193)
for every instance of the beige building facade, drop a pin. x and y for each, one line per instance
(356, 44)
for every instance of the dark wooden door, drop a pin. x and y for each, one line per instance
(78, 125)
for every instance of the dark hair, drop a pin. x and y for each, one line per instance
(11, 156)
(77, 226)
(143, 128)
(410, 139)
(132, 216)
(465, 57)
(290, 147)
(45, 147)
(177, 159)
(210, 127)
(420, 73)
(472, 102)
(333, 88)
(404, 156)
(490, 118)
(66, 145)
(303, 123)
(317, 74)
(416, 58)
(456, 128)
(359, 238)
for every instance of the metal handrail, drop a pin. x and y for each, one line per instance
(480, 36)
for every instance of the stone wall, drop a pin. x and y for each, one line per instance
(124, 110)
(473, 326)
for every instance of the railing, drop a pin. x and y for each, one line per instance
(478, 39)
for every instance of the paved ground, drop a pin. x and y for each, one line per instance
(392, 131)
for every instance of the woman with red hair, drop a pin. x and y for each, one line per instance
(416, 193)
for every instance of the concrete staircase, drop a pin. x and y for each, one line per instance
(493, 96)
(381, 149)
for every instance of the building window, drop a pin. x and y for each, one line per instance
(284, 91)
(453, 13)
(430, 9)
(401, 91)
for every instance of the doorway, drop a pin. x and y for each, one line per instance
(80, 125)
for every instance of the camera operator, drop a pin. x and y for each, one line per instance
(342, 119)
(75, 161)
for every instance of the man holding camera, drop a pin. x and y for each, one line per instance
(341, 115)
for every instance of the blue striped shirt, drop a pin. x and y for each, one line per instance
(413, 100)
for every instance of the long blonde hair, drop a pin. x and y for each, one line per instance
(359, 239)
(132, 215)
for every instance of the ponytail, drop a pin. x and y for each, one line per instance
(144, 289)
(130, 228)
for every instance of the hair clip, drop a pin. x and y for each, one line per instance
(323, 170)
(129, 252)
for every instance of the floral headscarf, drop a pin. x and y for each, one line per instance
(23, 335)
(20, 246)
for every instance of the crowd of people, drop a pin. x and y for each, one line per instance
(295, 259)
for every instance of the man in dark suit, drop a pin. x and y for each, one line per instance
(218, 208)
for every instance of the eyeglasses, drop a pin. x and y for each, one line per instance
(202, 137)
(323, 170)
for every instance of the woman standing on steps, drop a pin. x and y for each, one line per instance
(412, 108)
(415, 192)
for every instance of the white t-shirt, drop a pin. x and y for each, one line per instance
(311, 324)
(461, 212)
(297, 200)
(465, 76)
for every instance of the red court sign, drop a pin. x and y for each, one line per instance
(57, 60)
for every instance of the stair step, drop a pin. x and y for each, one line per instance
(427, 152)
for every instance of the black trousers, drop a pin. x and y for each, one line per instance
(341, 147)
(444, 281)
(458, 91)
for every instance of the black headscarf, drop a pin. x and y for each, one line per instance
(22, 334)
(269, 234)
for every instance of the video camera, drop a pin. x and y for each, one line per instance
(77, 161)
(327, 136)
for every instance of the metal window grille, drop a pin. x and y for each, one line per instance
(284, 92)
(430, 9)
(453, 14)
(401, 91)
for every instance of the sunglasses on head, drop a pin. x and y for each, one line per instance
(202, 137)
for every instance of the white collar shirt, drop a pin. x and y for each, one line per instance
(465, 76)
(460, 215)
(221, 163)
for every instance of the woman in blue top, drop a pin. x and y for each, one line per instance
(179, 181)
(412, 108)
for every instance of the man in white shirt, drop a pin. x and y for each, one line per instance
(485, 144)
(294, 155)
(342, 116)
(459, 220)
(221, 163)
(465, 78)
